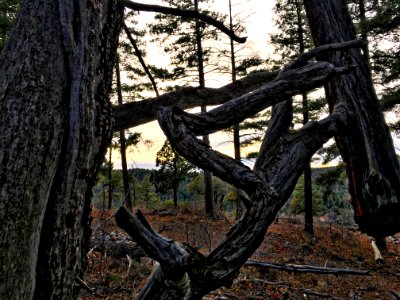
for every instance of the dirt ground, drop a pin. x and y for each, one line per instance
(112, 274)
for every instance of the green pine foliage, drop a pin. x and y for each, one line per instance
(8, 13)
(293, 36)
(173, 169)
(297, 201)
(178, 37)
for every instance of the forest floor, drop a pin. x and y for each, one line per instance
(110, 275)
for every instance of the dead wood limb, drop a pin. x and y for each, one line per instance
(140, 112)
(169, 254)
(129, 265)
(262, 281)
(286, 85)
(377, 254)
(169, 279)
(306, 268)
(163, 286)
(140, 58)
(182, 13)
(83, 284)
(267, 192)
(311, 54)
(396, 295)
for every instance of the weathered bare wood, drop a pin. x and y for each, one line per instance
(169, 279)
(377, 254)
(166, 252)
(323, 49)
(305, 268)
(140, 112)
(162, 286)
(395, 294)
(283, 158)
(140, 58)
(267, 188)
(287, 84)
(182, 13)
(267, 191)
(367, 148)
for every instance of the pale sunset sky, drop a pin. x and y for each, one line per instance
(259, 25)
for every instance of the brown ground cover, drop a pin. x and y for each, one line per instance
(110, 276)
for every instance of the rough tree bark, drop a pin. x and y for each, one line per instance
(367, 148)
(55, 125)
(132, 114)
(54, 128)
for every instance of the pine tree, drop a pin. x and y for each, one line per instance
(141, 81)
(238, 67)
(186, 43)
(378, 23)
(292, 40)
(173, 170)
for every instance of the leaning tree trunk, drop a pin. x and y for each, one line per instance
(367, 147)
(54, 128)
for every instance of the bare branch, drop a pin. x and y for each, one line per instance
(136, 113)
(140, 58)
(287, 84)
(306, 57)
(169, 279)
(200, 154)
(306, 268)
(182, 13)
(166, 252)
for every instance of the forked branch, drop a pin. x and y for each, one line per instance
(268, 186)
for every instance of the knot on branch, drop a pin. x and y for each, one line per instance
(342, 116)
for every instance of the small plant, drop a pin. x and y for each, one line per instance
(169, 203)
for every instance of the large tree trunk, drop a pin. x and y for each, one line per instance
(367, 148)
(54, 128)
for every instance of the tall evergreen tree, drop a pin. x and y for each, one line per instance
(173, 170)
(185, 40)
(238, 66)
(378, 23)
(292, 40)
(141, 81)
